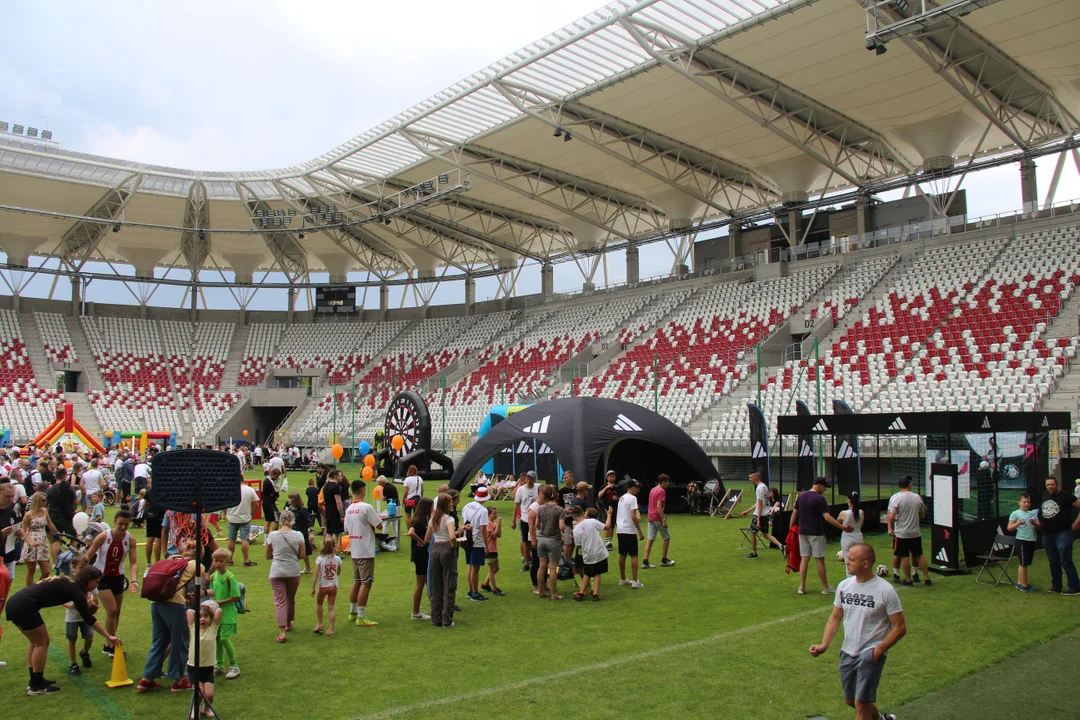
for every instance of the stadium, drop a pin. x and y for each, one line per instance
(748, 206)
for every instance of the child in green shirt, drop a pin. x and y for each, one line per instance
(226, 595)
(1024, 522)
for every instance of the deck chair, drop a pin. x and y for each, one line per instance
(996, 561)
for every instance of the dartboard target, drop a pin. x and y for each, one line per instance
(408, 417)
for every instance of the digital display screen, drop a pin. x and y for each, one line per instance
(335, 299)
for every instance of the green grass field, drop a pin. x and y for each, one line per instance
(715, 634)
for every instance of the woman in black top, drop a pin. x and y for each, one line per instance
(333, 522)
(420, 552)
(24, 611)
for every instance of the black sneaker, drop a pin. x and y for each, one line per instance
(86, 663)
(1071, 591)
(485, 587)
(896, 579)
(647, 565)
(664, 562)
(915, 577)
(928, 582)
(74, 669)
(498, 593)
(457, 608)
(750, 556)
(907, 583)
(43, 690)
(608, 545)
(524, 568)
(1054, 590)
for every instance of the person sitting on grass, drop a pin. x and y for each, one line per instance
(1024, 522)
(209, 619)
(226, 594)
(325, 585)
(75, 624)
(588, 537)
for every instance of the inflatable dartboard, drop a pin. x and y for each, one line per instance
(408, 417)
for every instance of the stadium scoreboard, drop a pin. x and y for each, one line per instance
(335, 300)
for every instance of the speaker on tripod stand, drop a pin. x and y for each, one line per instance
(196, 482)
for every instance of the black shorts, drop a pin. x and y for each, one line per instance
(524, 526)
(116, 584)
(24, 618)
(63, 525)
(334, 526)
(153, 528)
(596, 568)
(270, 512)
(1026, 550)
(579, 562)
(201, 674)
(760, 524)
(627, 544)
(420, 567)
(902, 547)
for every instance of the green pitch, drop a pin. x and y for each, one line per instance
(715, 635)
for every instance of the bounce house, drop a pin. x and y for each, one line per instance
(66, 424)
(5, 438)
(117, 437)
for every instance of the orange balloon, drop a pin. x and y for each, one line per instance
(245, 433)
(397, 442)
(369, 460)
(344, 543)
(367, 473)
(377, 492)
(67, 464)
(337, 451)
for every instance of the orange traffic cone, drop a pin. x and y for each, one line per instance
(119, 670)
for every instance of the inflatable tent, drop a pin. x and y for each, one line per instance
(519, 457)
(591, 435)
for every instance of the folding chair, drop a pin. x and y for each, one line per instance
(1002, 551)
(747, 532)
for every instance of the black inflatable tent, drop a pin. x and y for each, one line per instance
(591, 435)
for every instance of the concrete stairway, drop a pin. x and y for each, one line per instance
(235, 358)
(1065, 323)
(35, 348)
(86, 356)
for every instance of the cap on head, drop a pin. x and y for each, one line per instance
(530, 474)
(821, 481)
(904, 482)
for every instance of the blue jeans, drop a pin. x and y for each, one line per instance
(169, 628)
(1059, 554)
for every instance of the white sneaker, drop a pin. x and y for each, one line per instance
(3, 664)
(802, 591)
(420, 616)
(624, 582)
(636, 585)
(233, 673)
(829, 591)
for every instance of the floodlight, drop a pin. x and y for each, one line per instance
(386, 221)
(116, 227)
(558, 132)
(202, 235)
(379, 218)
(567, 138)
(301, 236)
(46, 134)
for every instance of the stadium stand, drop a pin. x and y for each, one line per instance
(25, 408)
(56, 340)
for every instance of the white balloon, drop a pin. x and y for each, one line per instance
(80, 521)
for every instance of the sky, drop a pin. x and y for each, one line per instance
(242, 85)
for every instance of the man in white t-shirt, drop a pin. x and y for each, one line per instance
(628, 532)
(277, 462)
(91, 483)
(239, 518)
(525, 496)
(906, 509)
(762, 510)
(360, 523)
(873, 620)
(474, 517)
(141, 473)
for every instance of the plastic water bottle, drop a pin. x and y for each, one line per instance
(391, 509)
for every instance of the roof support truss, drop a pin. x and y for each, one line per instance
(284, 246)
(82, 239)
(194, 241)
(613, 211)
(853, 151)
(1010, 96)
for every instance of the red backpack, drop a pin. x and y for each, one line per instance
(793, 558)
(162, 580)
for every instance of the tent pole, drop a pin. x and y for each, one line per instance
(443, 406)
(759, 374)
(656, 383)
(817, 375)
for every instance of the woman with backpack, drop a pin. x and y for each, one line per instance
(24, 611)
(285, 548)
(166, 586)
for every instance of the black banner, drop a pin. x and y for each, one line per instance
(759, 442)
(804, 478)
(1037, 464)
(923, 423)
(978, 538)
(945, 513)
(847, 469)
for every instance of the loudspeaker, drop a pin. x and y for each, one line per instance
(196, 480)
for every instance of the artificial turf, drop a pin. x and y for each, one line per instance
(715, 634)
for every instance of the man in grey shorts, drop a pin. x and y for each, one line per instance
(873, 622)
(811, 513)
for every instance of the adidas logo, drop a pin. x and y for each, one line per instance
(986, 422)
(806, 450)
(759, 452)
(524, 447)
(624, 423)
(539, 427)
(998, 546)
(845, 452)
(821, 426)
(1045, 422)
(898, 424)
(544, 449)
(942, 557)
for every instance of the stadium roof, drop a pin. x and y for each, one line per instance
(679, 112)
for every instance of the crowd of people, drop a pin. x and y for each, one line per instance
(566, 535)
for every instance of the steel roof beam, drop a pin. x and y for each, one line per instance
(689, 170)
(196, 216)
(284, 246)
(1014, 99)
(82, 239)
(586, 201)
(850, 149)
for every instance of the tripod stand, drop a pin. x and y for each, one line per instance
(197, 481)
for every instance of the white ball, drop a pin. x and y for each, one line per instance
(840, 555)
(984, 464)
(882, 571)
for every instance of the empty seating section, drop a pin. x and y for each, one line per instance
(55, 338)
(262, 340)
(856, 281)
(699, 354)
(195, 381)
(25, 408)
(339, 348)
(129, 355)
(651, 315)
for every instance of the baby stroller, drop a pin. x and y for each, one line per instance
(70, 545)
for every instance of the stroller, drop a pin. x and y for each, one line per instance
(70, 545)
